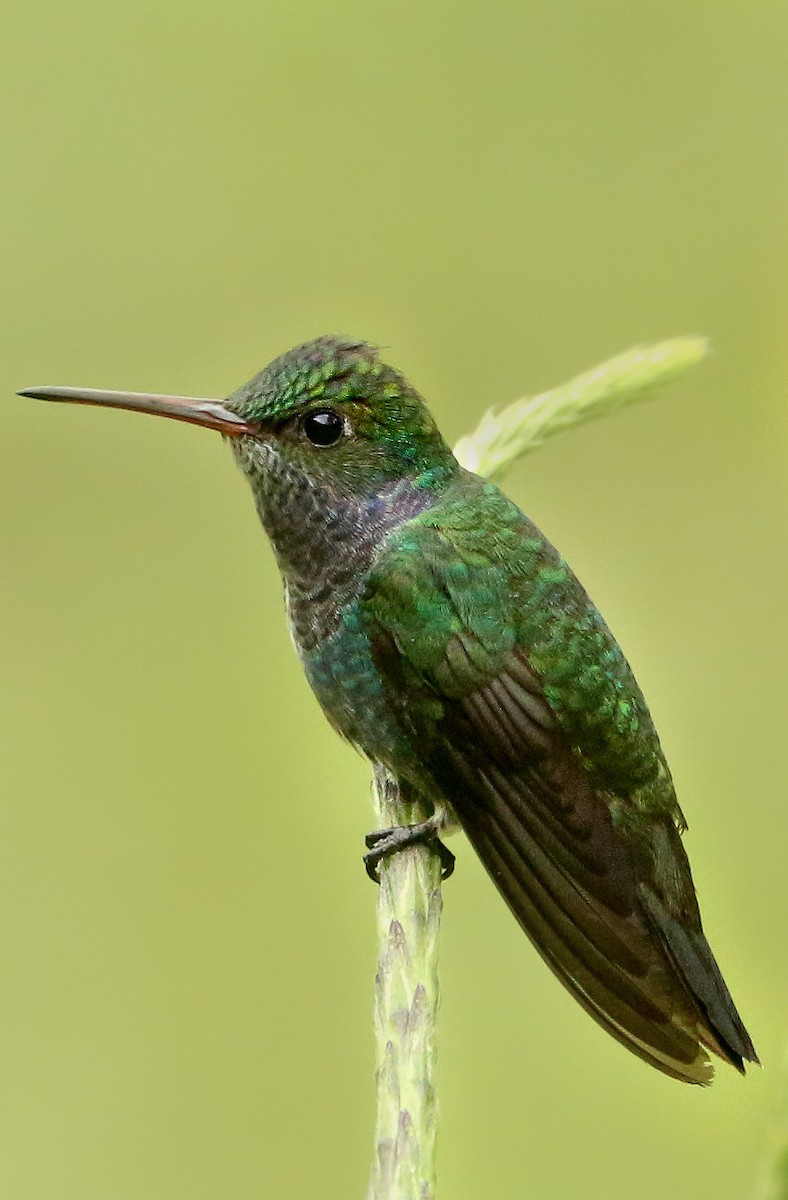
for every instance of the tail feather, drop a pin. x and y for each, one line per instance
(694, 962)
(593, 913)
(611, 997)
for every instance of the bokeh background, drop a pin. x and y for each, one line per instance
(502, 194)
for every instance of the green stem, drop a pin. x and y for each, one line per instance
(406, 1008)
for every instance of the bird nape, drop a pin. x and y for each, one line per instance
(445, 637)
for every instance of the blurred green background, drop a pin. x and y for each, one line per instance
(501, 194)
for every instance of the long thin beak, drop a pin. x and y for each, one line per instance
(210, 413)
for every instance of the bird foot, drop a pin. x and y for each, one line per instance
(382, 842)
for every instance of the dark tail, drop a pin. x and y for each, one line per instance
(649, 980)
(694, 962)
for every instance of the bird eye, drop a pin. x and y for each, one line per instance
(324, 427)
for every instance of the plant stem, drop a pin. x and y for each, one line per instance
(406, 1007)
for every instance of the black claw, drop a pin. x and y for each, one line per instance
(371, 867)
(445, 855)
(382, 842)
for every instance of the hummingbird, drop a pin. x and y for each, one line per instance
(447, 640)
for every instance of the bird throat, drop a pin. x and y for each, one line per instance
(325, 538)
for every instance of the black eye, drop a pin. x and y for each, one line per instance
(324, 427)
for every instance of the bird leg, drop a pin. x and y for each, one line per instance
(382, 842)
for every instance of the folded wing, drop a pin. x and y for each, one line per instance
(601, 887)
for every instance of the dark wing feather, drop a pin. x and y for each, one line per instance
(548, 842)
(589, 892)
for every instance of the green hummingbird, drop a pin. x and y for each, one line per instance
(446, 639)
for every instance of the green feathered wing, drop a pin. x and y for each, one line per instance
(520, 710)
